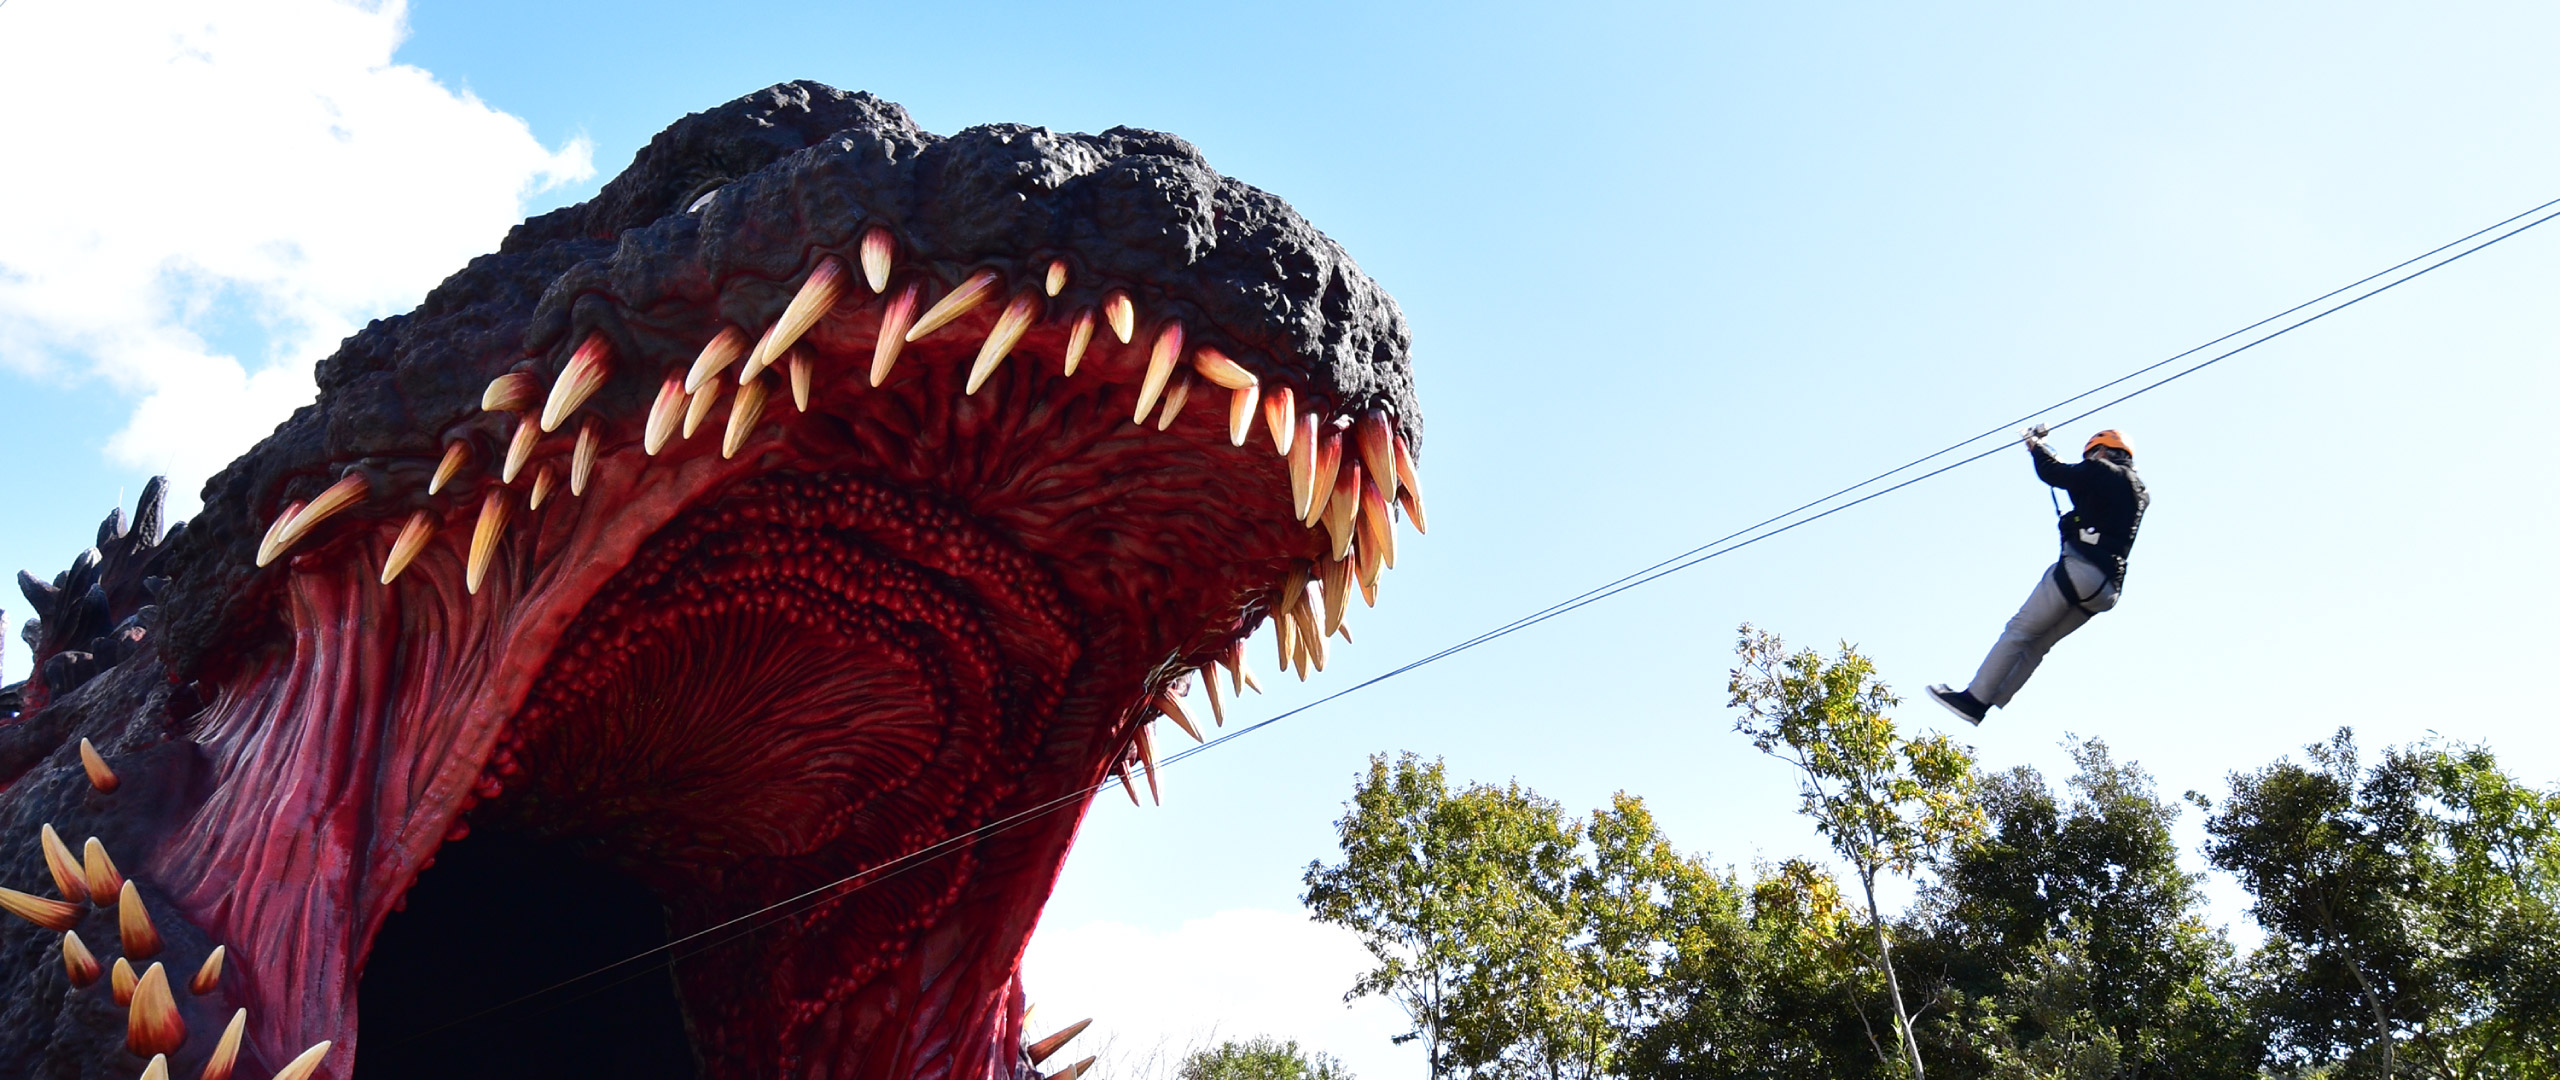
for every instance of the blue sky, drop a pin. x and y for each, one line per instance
(1670, 268)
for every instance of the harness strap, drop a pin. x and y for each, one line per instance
(2062, 581)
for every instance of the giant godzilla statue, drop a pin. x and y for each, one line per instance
(772, 516)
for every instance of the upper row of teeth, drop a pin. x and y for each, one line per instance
(1344, 471)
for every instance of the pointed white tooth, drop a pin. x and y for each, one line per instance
(1160, 362)
(1242, 672)
(894, 323)
(289, 531)
(456, 454)
(100, 776)
(1172, 710)
(106, 883)
(1240, 410)
(1337, 592)
(1376, 528)
(58, 859)
(587, 369)
(542, 484)
(226, 1053)
(1342, 508)
(747, 372)
(1040, 1051)
(1147, 757)
(744, 411)
(209, 974)
(1377, 450)
(1284, 638)
(520, 449)
(153, 1025)
(1280, 414)
(1311, 622)
(801, 370)
(1174, 396)
(1122, 313)
(1302, 462)
(1008, 331)
(1078, 339)
(1409, 486)
(1328, 467)
(1057, 281)
(305, 1066)
(276, 530)
(582, 461)
(959, 301)
(722, 350)
(1209, 682)
(484, 538)
(413, 539)
(514, 391)
(54, 915)
(1377, 540)
(1128, 783)
(78, 963)
(1216, 366)
(664, 415)
(877, 249)
(817, 297)
(699, 405)
(133, 925)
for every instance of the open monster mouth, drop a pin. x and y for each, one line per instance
(822, 493)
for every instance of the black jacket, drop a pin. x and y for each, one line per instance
(2107, 501)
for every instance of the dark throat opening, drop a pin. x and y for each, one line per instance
(501, 915)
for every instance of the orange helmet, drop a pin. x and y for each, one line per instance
(2110, 437)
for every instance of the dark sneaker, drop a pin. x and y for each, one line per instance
(1960, 702)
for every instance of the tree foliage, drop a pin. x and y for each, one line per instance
(2411, 908)
(1887, 803)
(1262, 1058)
(2073, 944)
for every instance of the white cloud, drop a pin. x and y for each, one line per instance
(191, 180)
(1236, 974)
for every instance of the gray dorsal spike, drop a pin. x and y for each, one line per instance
(146, 510)
(112, 529)
(38, 594)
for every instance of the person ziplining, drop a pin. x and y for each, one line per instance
(2107, 501)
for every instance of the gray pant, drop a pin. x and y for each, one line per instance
(2047, 617)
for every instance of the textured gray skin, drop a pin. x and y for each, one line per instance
(800, 170)
(796, 172)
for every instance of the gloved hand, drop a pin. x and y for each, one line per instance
(2035, 435)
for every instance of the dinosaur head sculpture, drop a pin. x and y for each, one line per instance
(822, 493)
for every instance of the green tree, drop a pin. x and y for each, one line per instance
(1262, 1058)
(2408, 908)
(1886, 803)
(1762, 981)
(1461, 899)
(2073, 942)
(2497, 879)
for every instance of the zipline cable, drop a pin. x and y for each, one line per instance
(722, 933)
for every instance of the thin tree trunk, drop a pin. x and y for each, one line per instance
(2372, 1000)
(1892, 984)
